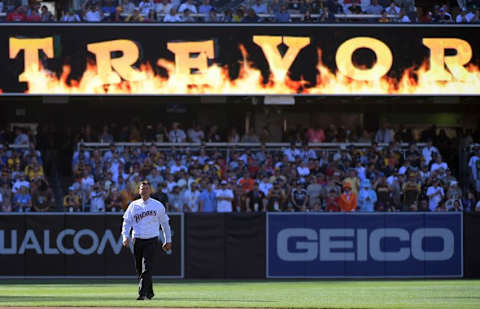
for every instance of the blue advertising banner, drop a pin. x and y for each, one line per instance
(336, 245)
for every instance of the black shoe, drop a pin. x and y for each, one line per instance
(149, 297)
(141, 297)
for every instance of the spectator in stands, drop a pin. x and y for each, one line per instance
(93, 13)
(384, 18)
(187, 17)
(114, 201)
(20, 182)
(97, 199)
(128, 6)
(205, 7)
(135, 17)
(276, 198)
(255, 199)
(33, 13)
(207, 199)
(145, 7)
(260, 7)
(410, 191)
(274, 7)
(353, 181)
(384, 134)
(403, 17)
(22, 200)
(315, 192)
(191, 197)
(464, 17)
(348, 199)
(163, 7)
(283, 16)
(151, 17)
(374, 8)
(71, 201)
(17, 15)
(188, 5)
(298, 198)
(224, 197)
(366, 197)
(326, 16)
(429, 151)
(315, 135)
(108, 8)
(443, 16)
(177, 135)
(42, 196)
(335, 7)
(70, 16)
(251, 17)
(392, 9)
(435, 195)
(21, 137)
(355, 8)
(227, 16)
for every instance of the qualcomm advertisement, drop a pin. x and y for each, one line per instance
(364, 245)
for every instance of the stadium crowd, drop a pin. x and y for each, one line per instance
(248, 11)
(23, 185)
(383, 176)
(245, 179)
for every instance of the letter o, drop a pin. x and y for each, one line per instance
(76, 242)
(345, 65)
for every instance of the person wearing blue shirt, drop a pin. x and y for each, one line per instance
(283, 16)
(366, 197)
(208, 200)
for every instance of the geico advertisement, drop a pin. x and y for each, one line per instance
(77, 245)
(364, 245)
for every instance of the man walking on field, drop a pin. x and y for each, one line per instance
(145, 216)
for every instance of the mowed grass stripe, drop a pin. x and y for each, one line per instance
(414, 294)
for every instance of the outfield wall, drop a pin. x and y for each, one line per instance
(248, 246)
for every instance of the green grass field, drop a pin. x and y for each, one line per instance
(415, 294)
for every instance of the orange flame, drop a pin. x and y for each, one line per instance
(250, 81)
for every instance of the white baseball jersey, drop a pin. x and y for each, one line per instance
(145, 217)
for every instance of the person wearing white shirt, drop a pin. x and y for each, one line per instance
(224, 198)
(176, 135)
(177, 167)
(265, 185)
(21, 182)
(384, 135)
(428, 151)
(439, 165)
(70, 17)
(188, 5)
(404, 168)
(472, 163)
(307, 153)
(303, 170)
(97, 200)
(192, 197)
(93, 14)
(291, 152)
(163, 7)
(144, 216)
(145, 6)
(435, 195)
(196, 134)
(172, 17)
(464, 17)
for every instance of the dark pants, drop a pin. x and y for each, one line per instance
(144, 252)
